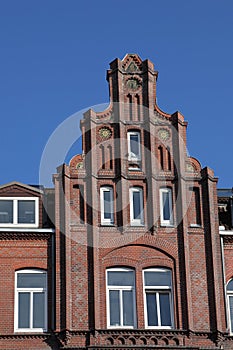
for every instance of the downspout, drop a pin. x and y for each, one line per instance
(224, 281)
(53, 281)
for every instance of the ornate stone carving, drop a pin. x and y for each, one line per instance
(133, 84)
(164, 134)
(105, 133)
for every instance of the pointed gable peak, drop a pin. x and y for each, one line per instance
(132, 62)
(16, 184)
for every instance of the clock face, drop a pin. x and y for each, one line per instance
(164, 134)
(105, 133)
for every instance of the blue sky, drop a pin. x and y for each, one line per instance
(54, 57)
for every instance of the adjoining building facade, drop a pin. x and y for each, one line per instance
(131, 257)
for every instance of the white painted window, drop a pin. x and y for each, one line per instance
(134, 145)
(136, 206)
(158, 298)
(230, 304)
(19, 211)
(30, 301)
(166, 213)
(121, 309)
(106, 205)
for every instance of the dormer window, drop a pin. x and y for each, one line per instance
(19, 211)
(134, 146)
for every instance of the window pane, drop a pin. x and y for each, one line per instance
(137, 205)
(24, 310)
(6, 211)
(107, 205)
(26, 212)
(31, 280)
(134, 145)
(128, 316)
(231, 310)
(152, 315)
(38, 310)
(114, 304)
(166, 206)
(121, 278)
(157, 278)
(230, 285)
(165, 311)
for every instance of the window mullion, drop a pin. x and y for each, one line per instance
(158, 308)
(15, 211)
(31, 310)
(121, 307)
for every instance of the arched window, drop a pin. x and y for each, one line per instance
(158, 298)
(121, 309)
(31, 301)
(106, 205)
(230, 303)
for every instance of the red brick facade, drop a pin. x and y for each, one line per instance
(132, 147)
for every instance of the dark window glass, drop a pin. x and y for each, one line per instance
(165, 312)
(128, 308)
(230, 285)
(26, 212)
(24, 310)
(157, 278)
(31, 280)
(114, 300)
(166, 206)
(134, 145)
(121, 278)
(6, 211)
(107, 205)
(38, 310)
(152, 314)
(137, 205)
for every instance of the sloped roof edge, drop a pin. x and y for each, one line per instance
(31, 188)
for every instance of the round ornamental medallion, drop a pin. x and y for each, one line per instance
(132, 84)
(105, 133)
(164, 134)
(79, 165)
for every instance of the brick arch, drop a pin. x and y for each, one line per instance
(160, 244)
(137, 256)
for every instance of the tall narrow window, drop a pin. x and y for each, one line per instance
(106, 203)
(134, 146)
(158, 298)
(130, 107)
(31, 301)
(138, 107)
(136, 206)
(161, 162)
(194, 207)
(166, 216)
(230, 304)
(121, 297)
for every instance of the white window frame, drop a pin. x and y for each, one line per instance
(132, 156)
(228, 295)
(158, 290)
(31, 291)
(15, 212)
(121, 289)
(164, 222)
(139, 221)
(105, 221)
